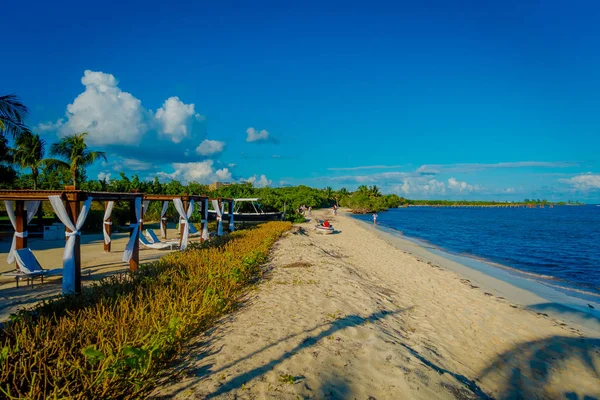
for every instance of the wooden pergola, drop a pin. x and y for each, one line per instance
(185, 199)
(72, 200)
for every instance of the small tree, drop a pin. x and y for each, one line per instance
(29, 153)
(74, 149)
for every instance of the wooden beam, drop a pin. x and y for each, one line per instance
(73, 206)
(108, 225)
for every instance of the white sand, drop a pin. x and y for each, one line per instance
(368, 320)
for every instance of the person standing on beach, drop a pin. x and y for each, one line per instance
(334, 209)
(374, 219)
(309, 210)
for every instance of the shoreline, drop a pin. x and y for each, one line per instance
(513, 285)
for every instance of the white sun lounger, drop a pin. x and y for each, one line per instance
(29, 268)
(156, 246)
(154, 239)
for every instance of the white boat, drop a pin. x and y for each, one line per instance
(326, 230)
(257, 216)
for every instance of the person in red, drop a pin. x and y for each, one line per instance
(326, 224)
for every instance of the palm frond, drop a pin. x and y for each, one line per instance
(12, 115)
(53, 164)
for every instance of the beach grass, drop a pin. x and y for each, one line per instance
(113, 339)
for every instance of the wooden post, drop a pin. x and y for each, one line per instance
(20, 214)
(134, 263)
(231, 215)
(186, 204)
(141, 221)
(73, 207)
(220, 205)
(163, 222)
(108, 225)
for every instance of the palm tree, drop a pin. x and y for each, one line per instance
(374, 191)
(328, 192)
(363, 189)
(74, 149)
(29, 153)
(12, 115)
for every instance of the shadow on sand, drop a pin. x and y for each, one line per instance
(526, 370)
(334, 388)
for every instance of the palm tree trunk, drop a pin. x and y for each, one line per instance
(74, 176)
(34, 176)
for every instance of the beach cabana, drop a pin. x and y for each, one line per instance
(218, 204)
(185, 205)
(72, 207)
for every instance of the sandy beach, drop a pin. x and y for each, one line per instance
(358, 315)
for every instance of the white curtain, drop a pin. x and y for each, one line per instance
(183, 218)
(163, 212)
(231, 224)
(68, 282)
(128, 253)
(32, 208)
(146, 203)
(219, 211)
(107, 212)
(205, 221)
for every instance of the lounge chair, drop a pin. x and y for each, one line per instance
(29, 268)
(193, 230)
(154, 239)
(156, 246)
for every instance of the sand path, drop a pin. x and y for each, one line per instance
(350, 316)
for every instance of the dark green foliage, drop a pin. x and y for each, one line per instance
(12, 115)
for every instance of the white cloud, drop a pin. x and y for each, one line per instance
(584, 182)
(209, 147)
(461, 186)
(134, 164)
(50, 126)
(261, 181)
(255, 136)
(112, 116)
(108, 114)
(365, 167)
(175, 118)
(438, 168)
(104, 176)
(201, 172)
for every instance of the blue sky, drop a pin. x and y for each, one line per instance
(432, 99)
